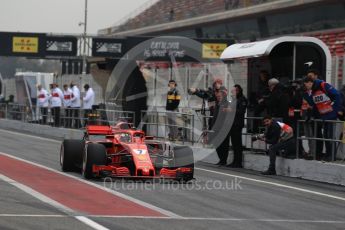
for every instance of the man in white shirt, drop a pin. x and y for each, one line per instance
(88, 101)
(43, 103)
(56, 98)
(67, 96)
(75, 105)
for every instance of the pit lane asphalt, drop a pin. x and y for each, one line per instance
(201, 204)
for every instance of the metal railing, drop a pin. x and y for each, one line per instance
(320, 134)
(310, 135)
(311, 139)
(67, 117)
(252, 128)
(169, 125)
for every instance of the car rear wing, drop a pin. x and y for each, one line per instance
(98, 129)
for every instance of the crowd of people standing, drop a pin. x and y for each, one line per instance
(69, 99)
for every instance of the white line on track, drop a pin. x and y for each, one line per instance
(51, 202)
(36, 194)
(276, 184)
(91, 223)
(32, 215)
(94, 224)
(220, 219)
(126, 197)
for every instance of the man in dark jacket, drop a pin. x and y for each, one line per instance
(259, 99)
(239, 104)
(221, 121)
(173, 101)
(278, 102)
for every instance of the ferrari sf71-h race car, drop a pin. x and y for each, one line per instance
(122, 151)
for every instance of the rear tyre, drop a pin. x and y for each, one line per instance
(95, 154)
(183, 157)
(71, 154)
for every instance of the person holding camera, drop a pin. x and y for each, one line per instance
(279, 136)
(221, 119)
(209, 95)
(173, 101)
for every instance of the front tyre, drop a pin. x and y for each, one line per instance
(95, 154)
(71, 153)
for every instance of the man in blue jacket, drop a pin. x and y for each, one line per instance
(325, 100)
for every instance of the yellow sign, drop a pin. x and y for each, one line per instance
(25, 45)
(213, 50)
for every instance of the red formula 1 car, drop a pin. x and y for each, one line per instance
(121, 151)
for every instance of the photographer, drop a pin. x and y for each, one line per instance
(220, 119)
(279, 136)
(209, 95)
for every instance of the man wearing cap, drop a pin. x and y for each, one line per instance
(67, 96)
(43, 103)
(172, 103)
(325, 99)
(56, 98)
(88, 101)
(75, 105)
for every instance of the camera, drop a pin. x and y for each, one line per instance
(298, 83)
(258, 137)
(189, 91)
(208, 92)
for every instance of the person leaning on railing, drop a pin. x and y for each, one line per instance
(325, 99)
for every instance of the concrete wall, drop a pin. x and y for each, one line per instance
(41, 130)
(333, 173)
(312, 170)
